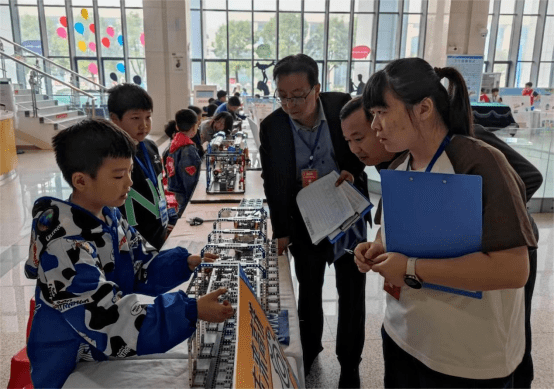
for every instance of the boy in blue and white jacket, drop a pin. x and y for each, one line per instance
(90, 266)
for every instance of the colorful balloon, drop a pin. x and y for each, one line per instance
(61, 32)
(93, 68)
(82, 46)
(84, 14)
(92, 46)
(137, 80)
(92, 28)
(63, 21)
(113, 76)
(79, 27)
(106, 42)
(121, 67)
(110, 31)
(120, 40)
(142, 39)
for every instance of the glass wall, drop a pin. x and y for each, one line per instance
(519, 42)
(235, 43)
(103, 40)
(6, 31)
(546, 67)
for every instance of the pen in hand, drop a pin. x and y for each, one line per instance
(351, 252)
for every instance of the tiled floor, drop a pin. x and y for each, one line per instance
(39, 176)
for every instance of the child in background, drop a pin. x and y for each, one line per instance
(91, 265)
(170, 130)
(495, 97)
(183, 162)
(221, 97)
(221, 122)
(145, 209)
(196, 137)
(210, 110)
(232, 106)
(528, 91)
(484, 98)
(172, 205)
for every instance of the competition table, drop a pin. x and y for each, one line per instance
(170, 369)
(253, 190)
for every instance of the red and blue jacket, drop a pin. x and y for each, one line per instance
(182, 166)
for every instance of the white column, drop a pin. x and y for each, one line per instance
(455, 27)
(436, 36)
(468, 21)
(166, 34)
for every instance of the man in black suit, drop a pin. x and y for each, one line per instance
(300, 142)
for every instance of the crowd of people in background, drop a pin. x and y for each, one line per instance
(494, 96)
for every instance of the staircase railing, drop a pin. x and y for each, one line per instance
(34, 75)
(100, 87)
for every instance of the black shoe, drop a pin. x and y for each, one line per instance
(349, 377)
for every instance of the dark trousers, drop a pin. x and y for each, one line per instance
(310, 262)
(403, 371)
(182, 201)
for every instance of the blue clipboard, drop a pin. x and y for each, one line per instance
(433, 215)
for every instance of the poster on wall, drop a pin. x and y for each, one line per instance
(260, 361)
(178, 62)
(471, 67)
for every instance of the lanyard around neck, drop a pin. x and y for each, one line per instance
(439, 151)
(312, 148)
(147, 168)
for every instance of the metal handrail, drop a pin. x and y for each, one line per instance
(55, 79)
(103, 88)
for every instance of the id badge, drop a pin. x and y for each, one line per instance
(162, 205)
(393, 290)
(308, 177)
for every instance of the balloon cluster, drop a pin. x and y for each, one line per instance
(80, 28)
(106, 42)
(136, 79)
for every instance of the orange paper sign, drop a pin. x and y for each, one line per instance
(260, 361)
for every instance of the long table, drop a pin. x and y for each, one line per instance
(170, 369)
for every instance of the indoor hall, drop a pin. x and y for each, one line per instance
(182, 52)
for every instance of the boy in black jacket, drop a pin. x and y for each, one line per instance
(145, 209)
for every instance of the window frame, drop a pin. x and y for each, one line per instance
(200, 7)
(515, 40)
(73, 56)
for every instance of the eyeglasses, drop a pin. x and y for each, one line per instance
(293, 100)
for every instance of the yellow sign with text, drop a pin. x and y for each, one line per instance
(260, 362)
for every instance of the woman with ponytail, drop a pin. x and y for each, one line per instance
(436, 339)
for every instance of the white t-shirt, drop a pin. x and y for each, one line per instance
(453, 334)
